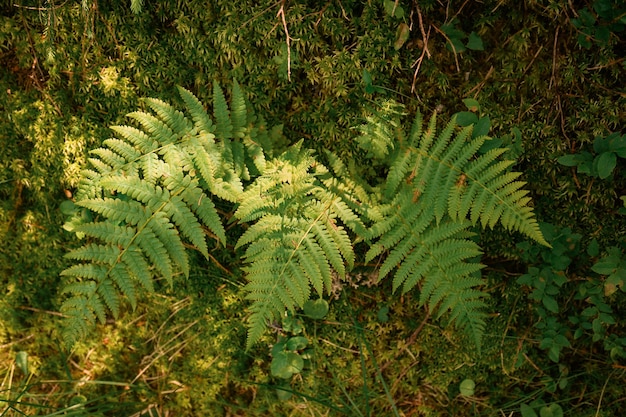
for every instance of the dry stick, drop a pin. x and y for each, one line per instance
(610, 64)
(36, 310)
(553, 77)
(602, 393)
(480, 85)
(425, 51)
(261, 14)
(6, 345)
(456, 59)
(281, 13)
(177, 347)
(458, 12)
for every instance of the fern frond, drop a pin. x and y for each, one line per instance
(201, 119)
(143, 142)
(137, 267)
(106, 290)
(437, 257)
(123, 149)
(378, 136)
(173, 118)
(80, 312)
(437, 187)
(223, 123)
(108, 232)
(112, 159)
(465, 306)
(153, 186)
(238, 111)
(155, 127)
(122, 277)
(106, 254)
(446, 170)
(295, 242)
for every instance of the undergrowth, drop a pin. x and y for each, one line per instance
(543, 78)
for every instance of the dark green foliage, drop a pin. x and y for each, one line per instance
(436, 189)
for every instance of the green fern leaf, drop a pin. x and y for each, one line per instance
(173, 118)
(106, 254)
(108, 232)
(295, 241)
(138, 138)
(437, 187)
(155, 184)
(155, 127)
(109, 157)
(223, 123)
(123, 149)
(106, 290)
(238, 111)
(138, 268)
(121, 276)
(201, 119)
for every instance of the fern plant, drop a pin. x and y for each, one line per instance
(152, 187)
(297, 239)
(153, 191)
(437, 188)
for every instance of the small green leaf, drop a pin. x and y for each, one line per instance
(279, 346)
(613, 282)
(292, 325)
(527, 411)
(552, 410)
(21, 360)
(490, 144)
(550, 304)
(593, 249)
(605, 163)
(482, 127)
(383, 314)
(393, 9)
(474, 42)
(367, 77)
(605, 266)
(569, 160)
(402, 35)
(297, 343)
(316, 309)
(286, 364)
(283, 394)
(466, 118)
(68, 207)
(467, 387)
(471, 104)
(603, 34)
(78, 399)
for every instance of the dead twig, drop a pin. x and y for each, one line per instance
(281, 14)
(425, 51)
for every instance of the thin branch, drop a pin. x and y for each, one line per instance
(425, 51)
(456, 59)
(281, 13)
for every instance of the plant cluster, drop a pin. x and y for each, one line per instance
(160, 183)
(544, 78)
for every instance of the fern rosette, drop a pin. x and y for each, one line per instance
(437, 188)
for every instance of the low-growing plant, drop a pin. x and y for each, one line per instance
(184, 175)
(572, 313)
(603, 161)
